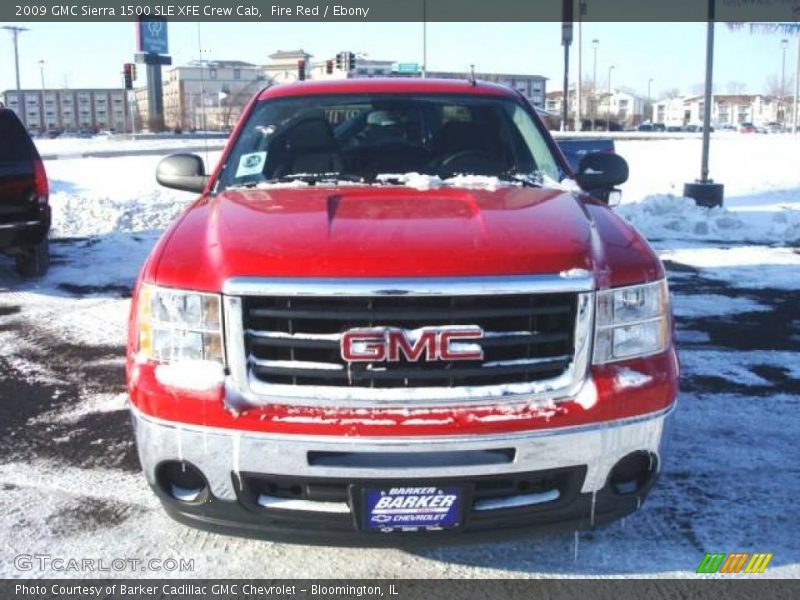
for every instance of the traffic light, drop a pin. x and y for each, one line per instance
(127, 74)
(301, 70)
(133, 71)
(351, 61)
(340, 61)
(329, 67)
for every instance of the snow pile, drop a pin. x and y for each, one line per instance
(98, 196)
(76, 216)
(674, 217)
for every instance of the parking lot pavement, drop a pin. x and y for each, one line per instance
(70, 483)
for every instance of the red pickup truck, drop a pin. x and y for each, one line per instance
(394, 312)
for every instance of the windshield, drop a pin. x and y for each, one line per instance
(371, 137)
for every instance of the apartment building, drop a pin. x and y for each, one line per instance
(70, 109)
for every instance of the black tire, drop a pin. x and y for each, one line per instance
(35, 261)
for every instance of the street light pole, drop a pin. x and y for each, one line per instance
(705, 191)
(608, 106)
(649, 102)
(795, 123)
(595, 43)
(781, 111)
(15, 31)
(41, 72)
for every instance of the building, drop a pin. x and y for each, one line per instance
(284, 68)
(284, 65)
(205, 95)
(727, 109)
(210, 95)
(533, 87)
(68, 109)
(620, 107)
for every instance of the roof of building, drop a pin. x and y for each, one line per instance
(300, 53)
(62, 90)
(217, 63)
(449, 74)
(397, 85)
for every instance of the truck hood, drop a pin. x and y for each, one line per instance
(370, 231)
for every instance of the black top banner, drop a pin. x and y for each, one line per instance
(783, 11)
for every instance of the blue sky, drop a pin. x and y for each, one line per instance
(88, 55)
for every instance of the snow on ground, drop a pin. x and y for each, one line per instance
(66, 146)
(69, 478)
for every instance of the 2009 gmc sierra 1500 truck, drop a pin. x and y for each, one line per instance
(393, 311)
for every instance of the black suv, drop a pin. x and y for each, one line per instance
(24, 208)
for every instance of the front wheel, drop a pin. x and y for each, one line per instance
(35, 260)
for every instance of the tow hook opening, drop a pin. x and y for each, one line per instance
(633, 472)
(182, 481)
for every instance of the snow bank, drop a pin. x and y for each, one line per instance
(675, 217)
(97, 196)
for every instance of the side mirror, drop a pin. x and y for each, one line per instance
(185, 172)
(601, 171)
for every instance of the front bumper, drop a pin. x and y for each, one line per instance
(240, 465)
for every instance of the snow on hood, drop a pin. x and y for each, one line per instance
(421, 181)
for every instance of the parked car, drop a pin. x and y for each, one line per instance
(748, 128)
(645, 127)
(24, 208)
(575, 149)
(384, 317)
(659, 127)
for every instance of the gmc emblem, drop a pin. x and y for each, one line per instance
(388, 344)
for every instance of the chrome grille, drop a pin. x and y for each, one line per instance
(295, 341)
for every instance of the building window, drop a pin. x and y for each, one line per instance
(212, 73)
(237, 74)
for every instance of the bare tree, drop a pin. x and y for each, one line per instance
(672, 93)
(736, 87)
(234, 103)
(772, 86)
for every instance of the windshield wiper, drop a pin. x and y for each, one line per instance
(309, 178)
(315, 178)
(532, 179)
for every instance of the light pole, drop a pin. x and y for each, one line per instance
(784, 45)
(15, 31)
(797, 90)
(41, 72)
(649, 103)
(595, 43)
(608, 106)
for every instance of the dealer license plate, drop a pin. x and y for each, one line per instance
(410, 508)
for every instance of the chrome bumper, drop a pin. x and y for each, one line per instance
(218, 453)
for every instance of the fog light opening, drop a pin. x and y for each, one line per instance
(182, 481)
(633, 472)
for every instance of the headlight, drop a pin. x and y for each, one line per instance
(175, 325)
(631, 322)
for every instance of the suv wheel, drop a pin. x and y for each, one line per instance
(34, 262)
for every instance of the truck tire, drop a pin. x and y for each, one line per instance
(35, 261)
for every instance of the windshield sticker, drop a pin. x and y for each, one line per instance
(251, 163)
